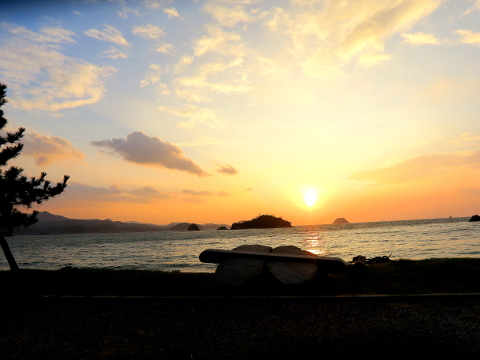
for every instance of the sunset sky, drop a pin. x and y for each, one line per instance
(218, 111)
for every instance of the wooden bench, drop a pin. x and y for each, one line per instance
(325, 264)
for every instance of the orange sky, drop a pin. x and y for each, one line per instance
(221, 110)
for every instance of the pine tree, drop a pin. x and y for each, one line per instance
(17, 190)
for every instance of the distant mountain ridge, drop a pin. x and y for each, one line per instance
(50, 224)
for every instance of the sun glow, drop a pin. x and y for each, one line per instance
(310, 197)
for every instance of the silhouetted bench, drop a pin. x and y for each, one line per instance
(325, 264)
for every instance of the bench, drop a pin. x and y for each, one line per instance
(326, 264)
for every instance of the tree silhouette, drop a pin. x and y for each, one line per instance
(17, 190)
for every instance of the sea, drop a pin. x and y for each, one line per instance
(179, 250)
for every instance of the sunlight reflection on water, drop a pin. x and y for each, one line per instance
(416, 239)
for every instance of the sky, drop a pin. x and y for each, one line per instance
(222, 110)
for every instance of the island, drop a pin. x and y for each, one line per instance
(341, 221)
(193, 227)
(261, 222)
(474, 218)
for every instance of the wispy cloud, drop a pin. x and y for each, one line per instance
(141, 149)
(148, 31)
(45, 34)
(419, 38)
(113, 193)
(46, 79)
(418, 167)
(469, 37)
(109, 34)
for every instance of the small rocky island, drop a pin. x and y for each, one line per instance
(262, 222)
(193, 227)
(341, 221)
(474, 218)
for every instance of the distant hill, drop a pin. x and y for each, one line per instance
(56, 224)
(262, 222)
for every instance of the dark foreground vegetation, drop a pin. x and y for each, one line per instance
(208, 323)
(429, 276)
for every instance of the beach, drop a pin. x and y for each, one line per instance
(279, 328)
(429, 307)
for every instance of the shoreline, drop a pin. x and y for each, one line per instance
(429, 276)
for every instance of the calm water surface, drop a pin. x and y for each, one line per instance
(168, 250)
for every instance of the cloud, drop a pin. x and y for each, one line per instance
(227, 16)
(44, 78)
(171, 12)
(46, 149)
(218, 41)
(126, 11)
(197, 193)
(113, 193)
(418, 167)
(194, 113)
(469, 37)
(109, 34)
(149, 192)
(152, 4)
(45, 34)
(420, 38)
(144, 150)
(195, 196)
(227, 169)
(113, 53)
(153, 76)
(163, 48)
(329, 35)
(469, 191)
(148, 31)
(224, 194)
(466, 138)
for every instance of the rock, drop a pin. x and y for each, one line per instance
(474, 218)
(291, 273)
(222, 228)
(359, 260)
(236, 272)
(193, 227)
(341, 221)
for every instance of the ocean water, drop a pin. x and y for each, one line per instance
(169, 250)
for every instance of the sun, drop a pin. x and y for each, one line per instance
(310, 197)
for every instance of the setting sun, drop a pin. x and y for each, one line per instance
(310, 197)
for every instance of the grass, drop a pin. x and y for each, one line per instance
(448, 275)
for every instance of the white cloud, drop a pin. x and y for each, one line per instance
(163, 48)
(126, 11)
(46, 149)
(328, 35)
(109, 34)
(148, 31)
(227, 15)
(219, 41)
(420, 38)
(44, 78)
(45, 34)
(171, 12)
(469, 37)
(153, 76)
(144, 150)
(114, 53)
